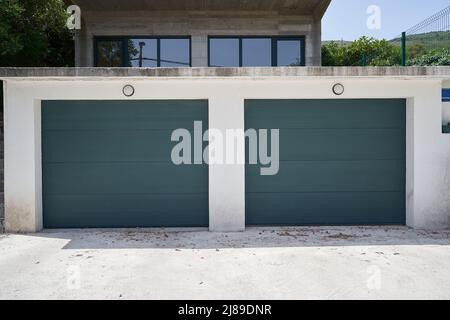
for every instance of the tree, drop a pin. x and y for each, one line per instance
(385, 54)
(33, 33)
(333, 54)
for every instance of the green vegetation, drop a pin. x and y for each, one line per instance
(362, 52)
(428, 41)
(422, 50)
(340, 42)
(33, 34)
(432, 58)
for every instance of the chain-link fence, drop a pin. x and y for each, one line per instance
(428, 43)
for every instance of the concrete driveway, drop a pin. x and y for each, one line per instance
(281, 263)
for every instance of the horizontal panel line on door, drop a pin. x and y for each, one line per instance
(340, 160)
(110, 162)
(328, 128)
(115, 130)
(170, 162)
(127, 194)
(190, 128)
(326, 192)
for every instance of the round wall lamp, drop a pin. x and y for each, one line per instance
(338, 89)
(128, 90)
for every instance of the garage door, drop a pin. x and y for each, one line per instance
(108, 164)
(342, 162)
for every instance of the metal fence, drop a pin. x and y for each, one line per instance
(428, 36)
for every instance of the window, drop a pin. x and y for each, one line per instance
(109, 53)
(224, 52)
(143, 52)
(175, 53)
(256, 51)
(289, 52)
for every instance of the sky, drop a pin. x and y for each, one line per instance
(347, 19)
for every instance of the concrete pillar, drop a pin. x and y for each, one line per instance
(428, 158)
(227, 181)
(199, 50)
(84, 47)
(88, 51)
(314, 45)
(23, 169)
(77, 62)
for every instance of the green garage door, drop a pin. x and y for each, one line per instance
(342, 162)
(108, 164)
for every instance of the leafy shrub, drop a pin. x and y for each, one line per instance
(415, 50)
(333, 54)
(371, 52)
(362, 52)
(433, 58)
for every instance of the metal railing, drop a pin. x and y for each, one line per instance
(428, 36)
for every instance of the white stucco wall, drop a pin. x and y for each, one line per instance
(428, 150)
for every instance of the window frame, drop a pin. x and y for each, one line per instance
(125, 56)
(274, 41)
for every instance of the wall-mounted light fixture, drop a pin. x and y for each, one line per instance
(128, 90)
(338, 89)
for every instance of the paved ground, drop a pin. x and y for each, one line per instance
(283, 263)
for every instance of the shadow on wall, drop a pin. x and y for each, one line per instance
(253, 238)
(2, 156)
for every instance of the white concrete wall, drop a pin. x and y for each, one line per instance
(428, 150)
(198, 25)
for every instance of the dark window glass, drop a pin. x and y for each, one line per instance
(175, 53)
(289, 52)
(224, 52)
(109, 53)
(257, 52)
(142, 53)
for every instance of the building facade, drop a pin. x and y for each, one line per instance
(193, 33)
(93, 147)
(82, 150)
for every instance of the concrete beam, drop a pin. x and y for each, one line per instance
(281, 6)
(278, 72)
(321, 8)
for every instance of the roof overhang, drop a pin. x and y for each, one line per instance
(294, 7)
